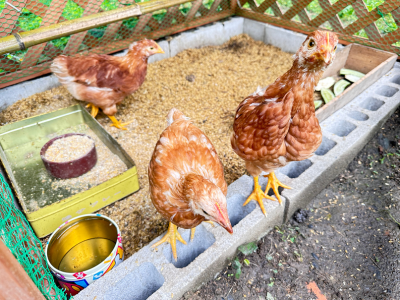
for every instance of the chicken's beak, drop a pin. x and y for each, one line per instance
(327, 57)
(159, 49)
(223, 219)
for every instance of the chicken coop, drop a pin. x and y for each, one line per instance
(34, 32)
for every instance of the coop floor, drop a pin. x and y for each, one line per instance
(205, 84)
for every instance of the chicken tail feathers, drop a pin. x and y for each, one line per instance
(174, 115)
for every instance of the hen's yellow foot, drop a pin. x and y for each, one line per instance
(274, 183)
(192, 230)
(258, 195)
(170, 237)
(117, 124)
(95, 109)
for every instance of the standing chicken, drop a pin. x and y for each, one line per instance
(105, 80)
(187, 184)
(277, 124)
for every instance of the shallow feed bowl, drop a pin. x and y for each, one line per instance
(72, 168)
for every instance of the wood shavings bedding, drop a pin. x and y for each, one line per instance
(206, 84)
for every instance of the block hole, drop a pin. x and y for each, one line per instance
(236, 211)
(296, 168)
(139, 284)
(372, 104)
(325, 146)
(188, 253)
(387, 91)
(357, 115)
(341, 127)
(396, 79)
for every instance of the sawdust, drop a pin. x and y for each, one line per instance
(69, 148)
(206, 84)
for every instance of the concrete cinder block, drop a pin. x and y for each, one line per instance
(233, 27)
(284, 39)
(254, 29)
(12, 94)
(211, 35)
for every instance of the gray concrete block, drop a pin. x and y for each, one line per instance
(210, 35)
(137, 285)
(254, 29)
(233, 27)
(12, 94)
(286, 40)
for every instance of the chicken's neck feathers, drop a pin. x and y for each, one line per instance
(135, 62)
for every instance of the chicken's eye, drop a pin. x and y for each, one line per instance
(311, 44)
(151, 48)
(334, 49)
(205, 212)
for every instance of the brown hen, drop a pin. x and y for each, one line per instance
(277, 124)
(186, 177)
(105, 80)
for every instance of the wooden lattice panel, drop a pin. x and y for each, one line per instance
(353, 20)
(24, 15)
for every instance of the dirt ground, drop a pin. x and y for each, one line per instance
(347, 249)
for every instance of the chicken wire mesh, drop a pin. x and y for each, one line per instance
(18, 236)
(25, 15)
(372, 23)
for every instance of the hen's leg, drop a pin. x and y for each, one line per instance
(95, 109)
(170, 237)
(258, 195)
(274, 183)
(192, 230)
(117, 124)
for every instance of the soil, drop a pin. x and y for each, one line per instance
(346, 249)
(206, 84)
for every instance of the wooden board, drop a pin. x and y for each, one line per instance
(372, 62)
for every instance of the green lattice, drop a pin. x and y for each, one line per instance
(18, 236)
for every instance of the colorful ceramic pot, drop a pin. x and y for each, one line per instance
(82, 250)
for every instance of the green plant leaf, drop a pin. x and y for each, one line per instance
(246, 262)
(270, 297)
(238, 267)
(248, 248)
(269, 257)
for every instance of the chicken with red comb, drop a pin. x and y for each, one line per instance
(277, 124)
(186, 177)
(105, 80)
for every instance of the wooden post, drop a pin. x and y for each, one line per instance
(14, 282)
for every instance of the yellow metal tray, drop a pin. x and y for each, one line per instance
(20, 145)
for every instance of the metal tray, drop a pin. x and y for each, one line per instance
(20, 145)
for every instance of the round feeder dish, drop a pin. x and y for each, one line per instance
(72, 168)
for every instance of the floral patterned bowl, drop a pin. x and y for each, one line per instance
(82, 250)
